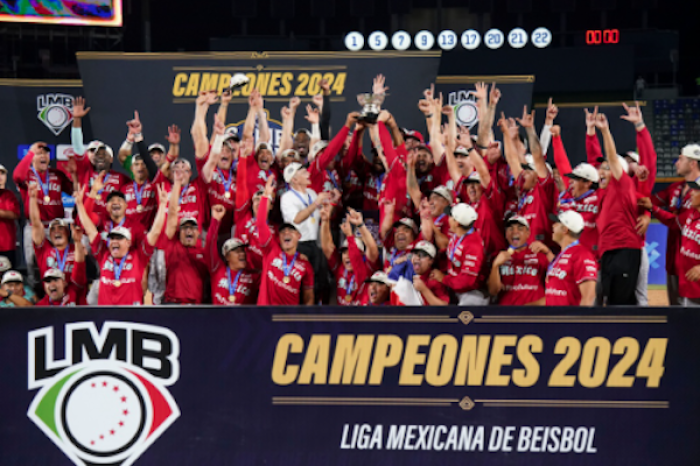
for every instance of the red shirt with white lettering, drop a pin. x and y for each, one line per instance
(187, 267)
(350, 285)
(193, 199)
(300, 275)
(8, 227)
(689, 255)
(573, 266)
(466, 256)
(129, 292)
(57, 181)
(589, 206)
(74, 291)
(149, 202)
(48, 257)
(487, 223)
(222, 182)
(245, 283)
(532, 205)
(113, 181)
(437, 175)
(617, 220)
(676, 202)
(523, 278)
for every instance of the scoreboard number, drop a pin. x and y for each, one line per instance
(541, 37)
(424, 40)
(471, 39)
(494, 38)
(401, 40)
(517, 38)
(377, 40)
(354, 41)
(447, 40)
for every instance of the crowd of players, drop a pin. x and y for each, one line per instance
(454, 218)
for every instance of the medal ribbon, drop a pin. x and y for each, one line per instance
(138, 193)
(556, 259)
(182, 193)
(575, 199)
(332, 178)
(350, 288)
(453, 251)
(227, 184)
(232, 286)
(285, 268)
(44, 185)
(118, 270)
(104, 183)
(439, 219)
(301, 198)
(61, 260)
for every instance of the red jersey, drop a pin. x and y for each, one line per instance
(487, 223)
(242, 285)
(573, 266)
(127, 289)
(394, 182)
(466, 256)
(51, 183)
(284, 276)
(222, 182)
(373, 186)
(256, 178)
(617, 220)
(689, 255)
(438, 289)
(73, 292)
(532, 205)
(48, 257)
(113, 181)
(523, 278)
(187, 267)
(438, 175)
(391, 254)
(323, 179)
(674, 201)
(144, 195)
(350, 285)
(8, 228)
(506, 184)
(193, 200)
(589, 206)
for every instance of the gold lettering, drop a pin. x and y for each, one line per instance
(283, 373)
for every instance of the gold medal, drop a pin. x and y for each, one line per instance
(313, 220)
(232, 299)
(98, 197)
(348, 298)
(47, 199)
(227, 195)
(139, 208)
(117, 283)
(286, 279)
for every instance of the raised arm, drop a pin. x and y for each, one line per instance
(223, 105)
(546, 134)
(645, 145)
(76, 135)
(371, 248)
(85, 220)
(159, 220)
(264, 233)
(173, 205)
(335, 144)
(436, 137)
(325, 124)
(528, 122)
(593, 152)
(217, 214)
(249, 125)
(327, 244)
(488, 110)
(610, 150)
(199, 125)
(481, 168)
(510, 134)
(288, 114)
(38, 234)
(264, 134)
(216, 149)
(561, 160)
(412, 181)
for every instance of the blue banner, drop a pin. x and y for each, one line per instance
(656, 250)
(303, 386)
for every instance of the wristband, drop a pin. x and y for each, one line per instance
(127, 145)
(429, 116)
(470, 149)
(639, 124)
(482, 147)
(361, 225)
(170, 157)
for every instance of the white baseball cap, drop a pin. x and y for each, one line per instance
(408, 222)
(180, 160)
(61, 222)
(443, 192)
(2, 168)
(238, 80)
(232, 244)
(12, 276)
(94, 144)
(291, 170)
(571, 219)
(529, 162)
(156, 146)
(474, 177)
(692, 151)
(360, 244)
(380, 277)
(54, 273)
(5, 264)
(461, 150)
(633, 155)
(316, 148)
(427, 247)
(120, 231)
(186, 220)
(107, 149)
(290, 153)
(519, 220)
(584, 171)
(464, 214)
(263, 146)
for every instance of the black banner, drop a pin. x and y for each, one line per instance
(163, 87)
(301, 386)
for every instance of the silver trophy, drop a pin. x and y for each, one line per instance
(371, 106)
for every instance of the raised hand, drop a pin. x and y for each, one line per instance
(79, 110)
(173, 136)
(294, 103)
(538, 246)
(355, 217)
(552, 112)
(98, 184)
(335, 196)
(286, 113)
(351, 118)
(481, 91)
(448, 110)
(601, 122)
(162, 195)
(76, 233)
(207, 98)
(218, 211)
(255, 100)
(312, 114)
(325, 86)
(642, 173)
(325, 212)
(219, 127)
(528, 119)
(79, 194)
(428, 93)
(591, 118)
(634, 114)
(270, 187)
(37, 146)
(424, 208)
(378, 85)
(246, 148)
(425, 106)
(346, 228)
(389, 206)
(322, 198)
(494, 95)
(226, 96)
(135, 126)
(555, 130)
(318, 100)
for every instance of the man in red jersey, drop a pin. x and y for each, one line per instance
(9, 213)
(34, 170)
(185, 258)
(378, 290)
(619, 243)
(466, 255)
(434, 293)
(353, 263)
(288, 276)
(689, 252)
(140, 194)
(57, 252)
(122, 266)
(233, 283)
(518, 273)
(571, 278)
(66, 292)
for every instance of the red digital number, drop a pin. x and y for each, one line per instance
(605, 36)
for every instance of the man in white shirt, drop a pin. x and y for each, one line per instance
(301, 207)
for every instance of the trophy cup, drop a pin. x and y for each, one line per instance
(371, 106)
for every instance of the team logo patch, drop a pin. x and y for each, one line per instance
(55, 111)
(107, 410)
(464, 104)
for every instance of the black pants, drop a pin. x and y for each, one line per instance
(321, 283)
(619, 271)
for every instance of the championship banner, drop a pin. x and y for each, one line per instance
(163, 87)
(38, 110)
(304, 386)
(458, 91)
